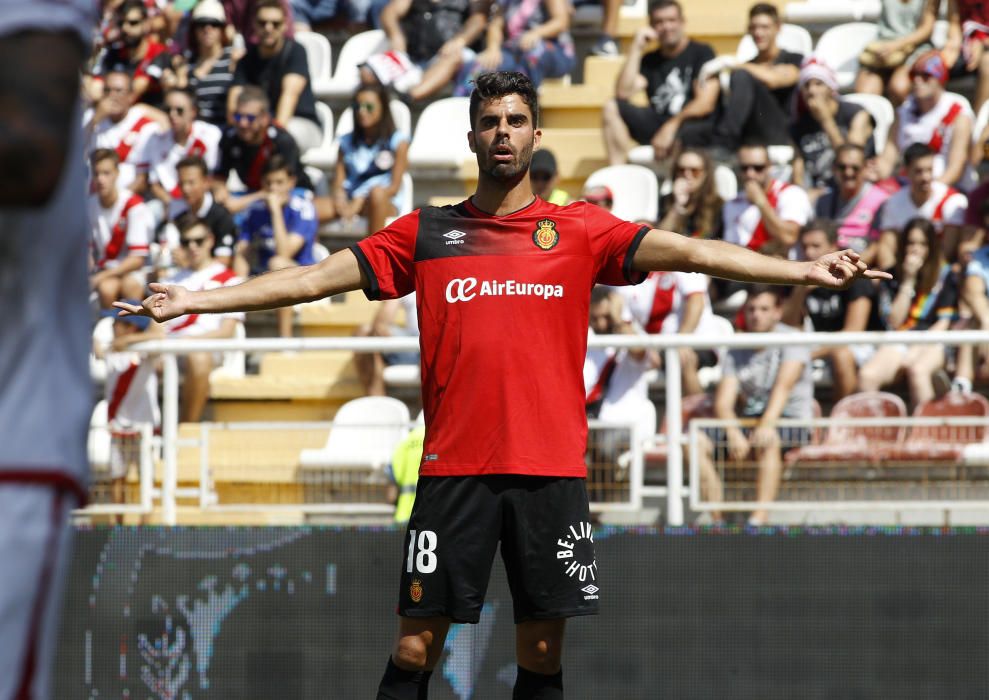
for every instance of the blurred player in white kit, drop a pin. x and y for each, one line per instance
(45, 391)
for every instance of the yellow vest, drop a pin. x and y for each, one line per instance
(405, 470)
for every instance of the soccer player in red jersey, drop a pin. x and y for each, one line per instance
(506, 430)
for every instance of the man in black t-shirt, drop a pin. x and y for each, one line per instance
(247, 146)
(757, 107)
(279, 67)
(831, 310)
(196, 197)
(678, 106)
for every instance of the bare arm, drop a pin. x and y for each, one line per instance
(923, 31)
(292, 86)
(232, 97)
(953, 44)
(390, 18)
(630, 79)
(773, 76)
(961, 139)
(559, 20)
(692, 312)
(336, 274)
(39, 86)
(974, 294)
(891, 153)
(859, 131)
(794, 307)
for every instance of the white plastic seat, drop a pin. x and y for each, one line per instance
(98, 442)
(440, 138)
(324, 155)
(635, 190)
(791, 38)
(319, 55)
(725, 182)
(882, 114)
(364, 434)
(234, 363)
(830, 12)
(358, 49)
(840, 47)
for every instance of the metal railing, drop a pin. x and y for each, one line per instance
(674, 491)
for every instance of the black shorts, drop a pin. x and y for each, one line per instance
(543, 526)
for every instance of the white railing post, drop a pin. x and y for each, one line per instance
(674, 453)
(169, 437)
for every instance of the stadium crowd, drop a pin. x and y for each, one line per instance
(199, 113)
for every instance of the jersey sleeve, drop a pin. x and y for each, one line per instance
(613, 244)
(387, 258)
(140, 229)
(793, 205)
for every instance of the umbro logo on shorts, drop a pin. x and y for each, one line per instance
(591, 589)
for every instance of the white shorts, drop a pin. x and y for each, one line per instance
(35, 543)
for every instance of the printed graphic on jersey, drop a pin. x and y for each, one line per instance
(545, 236)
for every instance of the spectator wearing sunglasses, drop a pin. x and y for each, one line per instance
(206, 67)
(279, 66)
(373, 159)
(246, 147)
(767, 214)
(134, 52)
(852, 202)
(694, 207)
(544, 176)
(240, 15)
(200, 271)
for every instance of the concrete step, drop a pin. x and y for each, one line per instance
(307, 364)
(260, 388)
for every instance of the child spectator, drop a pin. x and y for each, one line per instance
(903, 33)
(923, 295)
(853, 202)
(278, 231)
(193, 177)
(373, 158)
(122, 231)
(694, 207)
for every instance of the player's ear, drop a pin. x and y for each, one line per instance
(471, 142)
(537, 137)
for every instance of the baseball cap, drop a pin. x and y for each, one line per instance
(813, 68)
(209, 11)
(598, 194)
(139, 322)
(931, 63)
(543, 161)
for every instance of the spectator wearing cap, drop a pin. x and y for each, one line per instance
(544, 176)
(968, 40)
(599, 195)
(933, 117)
(278, 65)
(206, 68)
(134, 52)
(822, 124)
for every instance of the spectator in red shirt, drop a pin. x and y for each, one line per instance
(134, 52)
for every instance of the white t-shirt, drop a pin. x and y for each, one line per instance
(408, 304)
(212, 276)
(742, 218)
(120, 231)
(934, 128)
(627, 389)
(945, 207)
(129, 138)
(665, 293)
(131, 391)
(163, 154)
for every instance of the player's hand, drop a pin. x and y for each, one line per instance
(837, 270)
(167, 302)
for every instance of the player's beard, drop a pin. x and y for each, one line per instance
(505, 172)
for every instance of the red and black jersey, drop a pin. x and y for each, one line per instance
(503, 305)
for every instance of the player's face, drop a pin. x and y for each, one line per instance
(668, 25)
(270, 22)
(763, 31)
(193, 185)
(197, 243)
(279, 182)
(762, 313)
(105, 177)
(504, 137)
(921, 176)
(816, 244)
(250, 121)
(181, 112)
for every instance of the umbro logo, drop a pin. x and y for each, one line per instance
(591, 589)
(454, 237)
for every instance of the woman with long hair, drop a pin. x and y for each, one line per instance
(693, 208)
(372, 160)
(923, 295)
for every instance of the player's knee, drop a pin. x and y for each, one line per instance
(540, 656)
(411, 653)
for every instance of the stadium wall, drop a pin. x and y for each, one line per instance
(299, 613)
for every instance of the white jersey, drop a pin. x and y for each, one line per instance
(626, 387)
(120, 231)
(934, 128)
(129, 138)
(46, 395)
(131, 391)
(945, 207)
(743, 224)
(658, 303)
(212, 276)
(163, 154)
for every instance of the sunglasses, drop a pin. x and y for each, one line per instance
(849, 167)
(132, 22)
(177, 109)
(246, 118)
(188, 242)
(687, 170)
(208, 23)
(273, 23)
(366, 107)
(757, 167)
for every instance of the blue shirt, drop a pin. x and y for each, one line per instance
(368, 165)
(300, 218)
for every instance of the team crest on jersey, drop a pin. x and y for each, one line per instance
(545, 236)
(415, 590)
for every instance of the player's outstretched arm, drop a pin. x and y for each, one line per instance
(665, 250)
(336, 274)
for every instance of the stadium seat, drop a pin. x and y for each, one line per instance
(319, 54)
(832, 11)
(324, 155)
(635, 189)
(357, 50)
(234, 362)
(726, 182)
(882, 114)
(440, 138)
(791, 38)
(927, 444)
(839, 47)
(98, 443)
(364, 434)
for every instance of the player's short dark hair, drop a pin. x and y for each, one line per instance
(101, 154)
(196, 162)
(491, 86)
(130, 5)
(252, 93)
(278, 162)
(828, 227)
(758, 289)
(915, 152)
(186, 221)
(600, 293)
(269, 5)
(849, 147)
(656, 5)
(764, 8)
